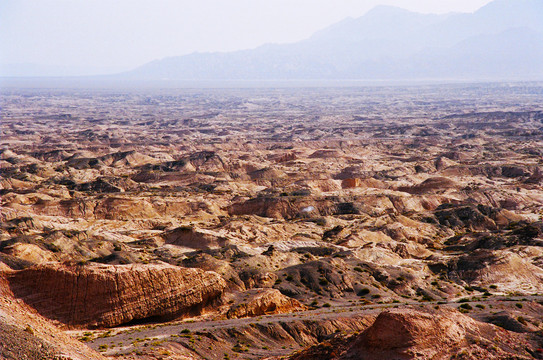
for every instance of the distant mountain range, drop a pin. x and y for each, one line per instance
(501, 41)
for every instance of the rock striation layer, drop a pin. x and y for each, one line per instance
(108, 295)
(264, 302)
(27, 335)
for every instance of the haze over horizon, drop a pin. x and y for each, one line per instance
(82, 38)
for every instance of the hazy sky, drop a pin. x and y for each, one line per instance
(123, 34)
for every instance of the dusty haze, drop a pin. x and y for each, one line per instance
(57, 37)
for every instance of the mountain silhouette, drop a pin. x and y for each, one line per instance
(501, 41)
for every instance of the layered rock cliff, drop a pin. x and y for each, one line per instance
(107, 295)
(27, 335)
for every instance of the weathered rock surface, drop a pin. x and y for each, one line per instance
(256, 302)
(409, 333)
(500, 267)
(431, 185)
(194, 238)
(106, 295)
(27, 335)
(422, 334)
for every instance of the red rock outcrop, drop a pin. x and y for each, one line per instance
(430, 185)
(26, 335)
(107, 295)
(258, 302)
(423, 334)
(273, 207)
(413, 332)
(350, 183)
(188, 236)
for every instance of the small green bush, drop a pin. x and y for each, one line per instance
(363, 292)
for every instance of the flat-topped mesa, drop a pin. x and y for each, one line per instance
(107, 295)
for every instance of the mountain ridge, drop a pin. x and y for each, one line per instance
(385, 43)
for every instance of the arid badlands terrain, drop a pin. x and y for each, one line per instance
(297, 223)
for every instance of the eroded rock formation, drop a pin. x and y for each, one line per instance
(423, 335)
(107, 295)
(257, 302)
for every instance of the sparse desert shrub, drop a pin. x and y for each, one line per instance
(363, 292)
(323, 282)
(426, 297)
